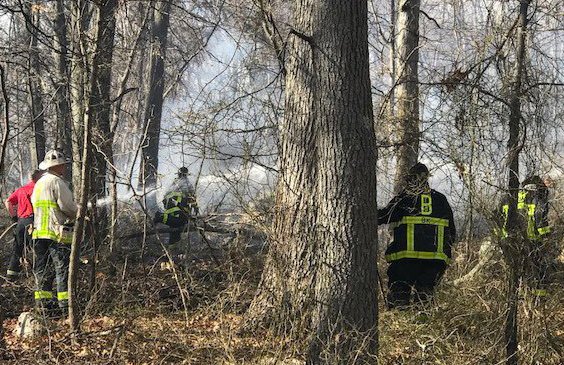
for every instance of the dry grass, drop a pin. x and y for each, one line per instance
(137, 316)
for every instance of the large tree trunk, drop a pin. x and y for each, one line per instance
(97, 115)
(62, 94)
(38, 143)
(320, 278)
(407, 93)
(512, 245)
(154, 104)
(99, 103)
(80, 19)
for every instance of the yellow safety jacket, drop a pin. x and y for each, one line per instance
(535, 213)
(423, 226)
(178, 207)
(53, 206)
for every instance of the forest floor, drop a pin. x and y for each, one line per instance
(146, 313)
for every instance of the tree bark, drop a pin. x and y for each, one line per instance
(80, 16)
(512, 245)
(6, 121)
(320, 278)
(407, 93)
(97, 115)
(38, 143)
(393, 62)
(62, 93)
(84, 194)
(99, 103)
(154, 103)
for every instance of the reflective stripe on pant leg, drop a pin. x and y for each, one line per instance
(540, 292)
(42, 294)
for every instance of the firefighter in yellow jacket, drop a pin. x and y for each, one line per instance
(535, 229)
(179, 204)
(54, 212)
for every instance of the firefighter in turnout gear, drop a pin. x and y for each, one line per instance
(424, 233)
(20, 208)
(533, 208)
(179, 205)
(54, 213)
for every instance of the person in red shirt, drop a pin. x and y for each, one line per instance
(20, 209)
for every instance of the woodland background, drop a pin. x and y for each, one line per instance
(133, 90)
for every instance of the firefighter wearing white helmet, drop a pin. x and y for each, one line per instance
(54, 212)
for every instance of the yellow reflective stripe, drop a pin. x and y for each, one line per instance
(172, 210)
(503, 232)
(544, 230)
(505, 209)
(177, 196)
(417, 255)
(168, 212)
(410, 237)
(11, 272)
(63, 295)
(42, 294)
(425, 220)
(46, 204)
(45, 233)
(440, 238)
(50, 235)
(540, 292)
(44, 219)
(410, 252)
(521, 199)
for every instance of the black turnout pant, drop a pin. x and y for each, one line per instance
(537, 269)
(417, 275)
(22, 239)
(47, 253)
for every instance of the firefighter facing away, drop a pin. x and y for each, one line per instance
(424, 232)
(54, 213)
(532, 209)
(179, 205)
(20, 209)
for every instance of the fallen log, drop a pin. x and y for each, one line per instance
(487, 254)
